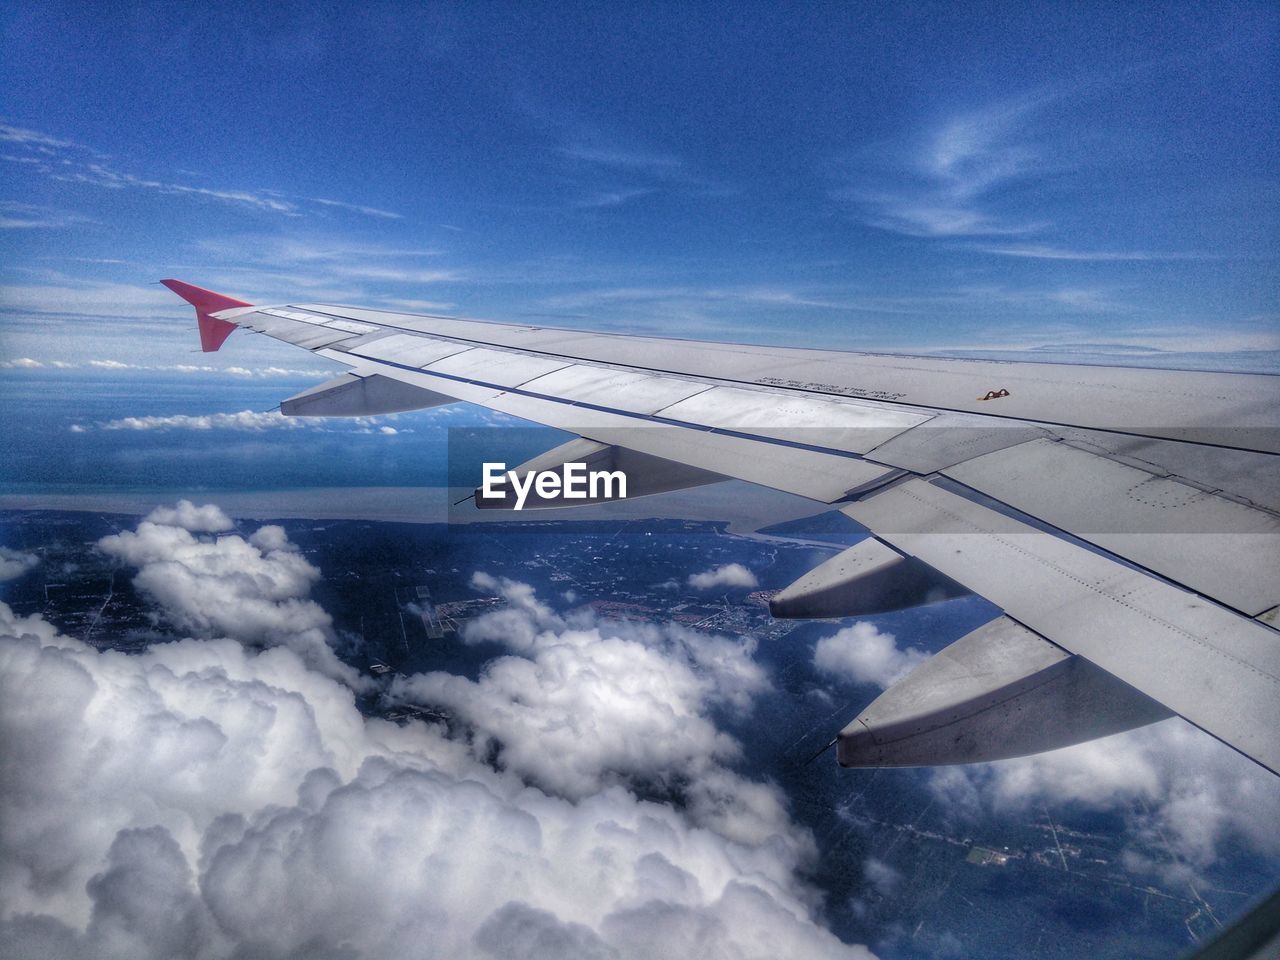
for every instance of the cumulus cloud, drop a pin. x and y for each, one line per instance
(727, 575)
(244, 420)
(861, 653)
(256, 590)
(206, 519)
(14, 563)
(28, 363)
(581, 704)
(233, 802)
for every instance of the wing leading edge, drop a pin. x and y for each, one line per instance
(1126, 521)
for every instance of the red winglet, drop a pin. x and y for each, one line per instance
(213, 331)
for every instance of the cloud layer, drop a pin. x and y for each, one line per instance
(1178, 790)
(230, 800)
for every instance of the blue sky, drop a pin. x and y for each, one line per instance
(913, 177)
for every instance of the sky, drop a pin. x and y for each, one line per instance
(1079, 179)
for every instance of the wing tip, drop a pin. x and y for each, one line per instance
(207, 300)
(213, 331)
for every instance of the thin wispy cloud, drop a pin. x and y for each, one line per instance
(410, 303)
(947, 182)
(1077, 298)
(629, 159)
(1044, 252)
(1132, 339)
(764, 296)
(397, 274)
(367, 211)
(39, 142)
(610, 168)
(27, 216)
(281, 267)
(611, 198)
(100, 175)
(69, 296)
(66, 161)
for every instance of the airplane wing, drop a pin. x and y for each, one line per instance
(1126, 521)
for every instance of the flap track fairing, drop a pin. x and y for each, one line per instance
(1001, 691)
(867, 579)
(352, 395)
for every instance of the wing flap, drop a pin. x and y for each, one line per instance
(1216, 668)
(1223, 549)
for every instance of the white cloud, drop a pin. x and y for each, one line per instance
(14, 563)
(947, 182)
(1038, 251)
(256, 590)
(611, 156)
(861, 653)
(69, 162)
(99, 174)
(357, 208)
(429, 306)
(249, 420)
(1177, 788)
(33, 138)
(244, 420)
(205, 519)
(582, 704)
(390, 274)
(289, 265)
(727, 575)
(25, 216)
(204, 800)
(28, 363)
(68, 296)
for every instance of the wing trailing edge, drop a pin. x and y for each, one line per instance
(360, 395)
